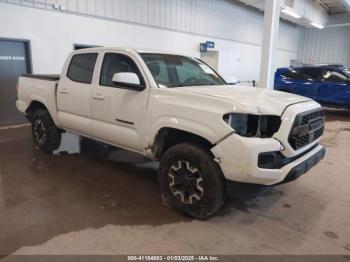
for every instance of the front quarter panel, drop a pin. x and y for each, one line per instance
(197, 114)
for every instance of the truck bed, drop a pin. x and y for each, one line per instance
(43, 77)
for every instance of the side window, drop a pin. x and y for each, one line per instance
(81, 68)
(334, 77)
(117, 63)
(294, 74)
(312, 74)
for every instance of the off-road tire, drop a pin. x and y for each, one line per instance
(200, 159)
(50, 133)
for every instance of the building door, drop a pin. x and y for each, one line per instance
(211, 58)
(14, 61)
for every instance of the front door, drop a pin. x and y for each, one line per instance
(14, 61)
(118, 114)
(310, 83)
(335, 89)
(211, 58)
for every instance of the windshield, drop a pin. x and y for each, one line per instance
(178, 71)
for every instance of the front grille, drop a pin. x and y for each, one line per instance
(307, 128)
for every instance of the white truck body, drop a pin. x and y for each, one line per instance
(132, 119)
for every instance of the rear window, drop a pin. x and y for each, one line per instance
(81, 68)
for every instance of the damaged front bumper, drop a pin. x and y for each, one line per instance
(239, 160)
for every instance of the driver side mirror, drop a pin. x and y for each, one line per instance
(128, 80)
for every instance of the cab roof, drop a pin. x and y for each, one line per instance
(132, 50)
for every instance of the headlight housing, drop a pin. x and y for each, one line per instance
(248, 125)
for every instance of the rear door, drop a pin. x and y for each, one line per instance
(74, 93)
(119, 114)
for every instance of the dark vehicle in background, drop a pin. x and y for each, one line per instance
(327, 84)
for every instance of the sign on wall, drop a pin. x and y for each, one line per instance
(12, 58)
(207, 45)
(210, 44)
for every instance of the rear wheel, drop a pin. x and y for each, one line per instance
(46, 135)
(191, 181)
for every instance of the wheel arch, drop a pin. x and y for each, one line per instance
(167, 137)
(33, 106)
(36, 104)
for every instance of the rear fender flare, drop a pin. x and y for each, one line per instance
(50, 109)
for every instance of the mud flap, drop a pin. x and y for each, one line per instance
(70, 144)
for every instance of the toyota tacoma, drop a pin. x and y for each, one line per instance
(177, 110)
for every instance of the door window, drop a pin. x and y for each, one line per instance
(117, 63)
(81, 68)
(304, 74)
(294, 74)
(312, 74)
(334, 77)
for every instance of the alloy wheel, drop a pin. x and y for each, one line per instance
(186, 182)
(40, 131)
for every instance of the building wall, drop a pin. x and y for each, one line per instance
(330, 45)
(170, 25)
(311, 10)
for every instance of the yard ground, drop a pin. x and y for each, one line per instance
(101, 202)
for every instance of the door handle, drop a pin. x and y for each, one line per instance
(98, 97)
(64, 91)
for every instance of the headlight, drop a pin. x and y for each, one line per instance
(253, 125)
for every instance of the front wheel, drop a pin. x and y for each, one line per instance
(191, 181)
(46, 134)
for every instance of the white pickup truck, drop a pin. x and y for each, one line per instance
(177, 110)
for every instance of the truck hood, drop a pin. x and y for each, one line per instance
(254, 100)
